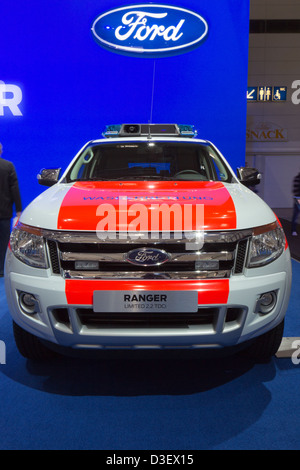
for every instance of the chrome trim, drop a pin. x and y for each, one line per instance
(127, 257)
(69, 274)
(173, 257)
(91, 237)
(185, 252)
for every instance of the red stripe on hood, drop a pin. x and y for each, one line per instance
(80, 292)
(78, 210)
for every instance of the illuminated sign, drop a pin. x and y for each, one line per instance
(149, 30)
(10, 98)
(252, 93)
(279, 93)
(266, 132)
(264, 93)
(78, 86)
(267, 93)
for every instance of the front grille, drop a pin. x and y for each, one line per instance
(53, 254)
(223, 254)
(214, 318)
(90, 318)
(126, 267)
(240, 256)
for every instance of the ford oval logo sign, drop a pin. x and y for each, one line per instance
(147, 257)
(149, 30)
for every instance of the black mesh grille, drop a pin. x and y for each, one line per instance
(240, 256)
(204, 316)
(53, 257)
(127, 267)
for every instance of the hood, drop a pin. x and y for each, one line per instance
(90, 206)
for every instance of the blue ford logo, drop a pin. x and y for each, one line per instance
(147, 257)
(147, 30)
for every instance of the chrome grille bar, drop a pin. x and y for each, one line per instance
(174, 257)
(68, 274)
(223, 254)
(91, 237)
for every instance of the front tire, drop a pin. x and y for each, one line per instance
(266, 345)
(29, 346)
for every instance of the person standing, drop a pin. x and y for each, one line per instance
(9, 197)
(296, 211)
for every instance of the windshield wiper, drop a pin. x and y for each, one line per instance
(128, 178)
(141, 177)
(95, 178)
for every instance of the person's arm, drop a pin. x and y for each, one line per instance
(15, 191)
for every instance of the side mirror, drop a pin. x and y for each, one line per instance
(48, 177)
(248, 176)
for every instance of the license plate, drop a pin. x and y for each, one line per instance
(145, 301)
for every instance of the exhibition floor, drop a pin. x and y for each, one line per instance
(145, 402)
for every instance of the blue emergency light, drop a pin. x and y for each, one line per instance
(149, 130)
(112, 130)
(187, 130)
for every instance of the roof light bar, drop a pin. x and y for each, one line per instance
(149, 130)
(187, 130)
(112, 130)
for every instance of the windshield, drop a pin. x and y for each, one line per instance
(149, 161)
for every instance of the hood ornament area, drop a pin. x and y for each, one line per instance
(147, 257)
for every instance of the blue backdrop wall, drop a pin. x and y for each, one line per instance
(59, 88)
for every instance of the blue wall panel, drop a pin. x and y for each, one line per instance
(71, 87)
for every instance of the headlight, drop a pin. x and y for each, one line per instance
(27, 244)
(266, 245)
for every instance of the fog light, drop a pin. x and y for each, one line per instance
(266, 302)
(28, 303)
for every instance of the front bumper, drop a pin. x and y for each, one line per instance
(227, 309)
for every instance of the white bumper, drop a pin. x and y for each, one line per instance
(231, 323)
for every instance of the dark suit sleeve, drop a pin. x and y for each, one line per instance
(14, 188)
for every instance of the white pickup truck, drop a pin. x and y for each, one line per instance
(148, 240)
